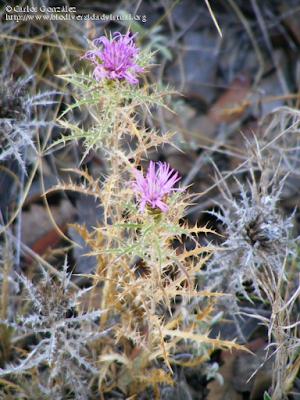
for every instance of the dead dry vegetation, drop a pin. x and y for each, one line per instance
(104, 297)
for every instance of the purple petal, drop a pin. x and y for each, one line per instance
(157, 183)
(116, 59)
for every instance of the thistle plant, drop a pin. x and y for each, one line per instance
(259, 243)
(112, 96)
(141, 273)
(257, 235)
(62, 348)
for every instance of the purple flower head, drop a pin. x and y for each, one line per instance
(116, 59)
(152, 189)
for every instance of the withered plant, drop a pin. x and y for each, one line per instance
(261, 251)
(60, 362)
(17, 125)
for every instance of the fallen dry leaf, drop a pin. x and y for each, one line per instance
(37, 230)
(229, 105)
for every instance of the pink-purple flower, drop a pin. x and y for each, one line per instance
(116, 59)
(152, 189)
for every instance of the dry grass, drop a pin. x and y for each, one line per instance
(147, 288)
